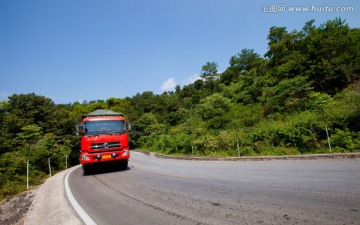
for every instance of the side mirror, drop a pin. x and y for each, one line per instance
(129, 126)
(79, 129)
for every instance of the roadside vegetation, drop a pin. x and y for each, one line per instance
(301, 97)
(306, 86)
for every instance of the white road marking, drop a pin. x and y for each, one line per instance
(84, 216)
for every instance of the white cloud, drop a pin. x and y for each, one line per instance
(169, 84)
(191, 79)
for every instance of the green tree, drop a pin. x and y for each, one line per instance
(209, 72)
(213, 109)
(46, 148)
(287, 96)
(12, 175)
(33, 109)
(344, 111)
(141, 128)
(332, 52)
(345, 140)
(119, 105)
(246, 60)
(30, 135)
(94, 105)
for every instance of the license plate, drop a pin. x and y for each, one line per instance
(106, 157)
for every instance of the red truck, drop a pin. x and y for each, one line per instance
(104, 140)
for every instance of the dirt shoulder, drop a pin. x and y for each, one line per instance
(13, 210)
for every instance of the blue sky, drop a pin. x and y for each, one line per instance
(75, 50)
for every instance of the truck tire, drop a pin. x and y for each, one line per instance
(123, 165)
(86, 169)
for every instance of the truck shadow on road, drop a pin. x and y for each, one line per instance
(102, 169)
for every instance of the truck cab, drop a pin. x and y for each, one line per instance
(104, 140)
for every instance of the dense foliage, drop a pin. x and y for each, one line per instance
(307, 84)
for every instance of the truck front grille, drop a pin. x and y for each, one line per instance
(105, 145)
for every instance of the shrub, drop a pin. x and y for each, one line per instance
(345, 141)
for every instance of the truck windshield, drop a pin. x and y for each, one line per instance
(104, 127)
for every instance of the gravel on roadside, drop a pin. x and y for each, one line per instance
(13, 210)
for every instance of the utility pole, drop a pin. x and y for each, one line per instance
(49, 166)
(27, 174)
(328, 138)
(238, 147)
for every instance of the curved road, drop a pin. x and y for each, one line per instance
(163, 191)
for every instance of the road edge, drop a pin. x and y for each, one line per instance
(256, 158)
(80, 211)
(50, 205)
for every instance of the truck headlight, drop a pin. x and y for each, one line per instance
(125, 153)
(85, 157)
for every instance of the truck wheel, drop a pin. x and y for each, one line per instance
(86, 169)
(123, 165)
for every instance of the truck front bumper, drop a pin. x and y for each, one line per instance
(97, 157)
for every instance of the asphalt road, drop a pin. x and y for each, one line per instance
(164, 191)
